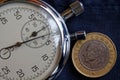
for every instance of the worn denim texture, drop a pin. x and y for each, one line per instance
(99, 16)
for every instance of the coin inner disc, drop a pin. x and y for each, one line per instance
(94, 55)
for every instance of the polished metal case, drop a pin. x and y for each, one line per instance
(65, 37)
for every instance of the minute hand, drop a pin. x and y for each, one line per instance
(18, 44)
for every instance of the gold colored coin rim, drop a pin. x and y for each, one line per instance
(112, 52)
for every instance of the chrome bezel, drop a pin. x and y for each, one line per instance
(65, 38)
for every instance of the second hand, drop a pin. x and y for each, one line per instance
(18, 44)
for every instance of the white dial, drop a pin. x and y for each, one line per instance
(29, 43)
(35, 28)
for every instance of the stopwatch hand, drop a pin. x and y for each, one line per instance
(5, 53)
(35, 33)
(18, 44)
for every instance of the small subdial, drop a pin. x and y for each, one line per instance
(32, 30)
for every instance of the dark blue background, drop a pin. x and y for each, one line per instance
(99, 16)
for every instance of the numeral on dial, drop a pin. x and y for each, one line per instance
(3, 20)
(35, 68)
(20, 73)
(5, 70)
(17, 15)
(35, 42)
(48, 42)
(34, 24)
(45, 57)
(32, 17)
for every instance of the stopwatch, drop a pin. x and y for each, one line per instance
(35, 42)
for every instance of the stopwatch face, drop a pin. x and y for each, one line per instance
(30, 42)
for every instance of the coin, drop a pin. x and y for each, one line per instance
(95, 56)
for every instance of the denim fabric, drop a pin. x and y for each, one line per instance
(99, 16)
